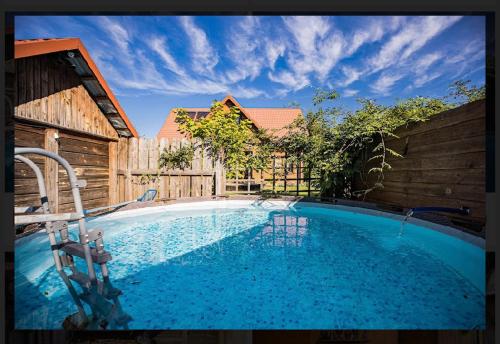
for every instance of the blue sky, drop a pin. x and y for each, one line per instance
(155, 63)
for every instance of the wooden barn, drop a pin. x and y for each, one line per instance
(64, 105)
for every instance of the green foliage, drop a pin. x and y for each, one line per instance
(169, 160)
(146, 179)
(229, 138)
(463, 92)
(262, 147)
(333, 148)
(321, 96)
(180, 158)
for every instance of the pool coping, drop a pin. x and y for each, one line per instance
(182, 205)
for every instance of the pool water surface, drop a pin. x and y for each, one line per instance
(267, 266)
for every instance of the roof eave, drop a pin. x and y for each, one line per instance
(41, 47)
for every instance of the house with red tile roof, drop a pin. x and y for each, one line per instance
(273, 120)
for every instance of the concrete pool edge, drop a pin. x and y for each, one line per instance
(284, 204)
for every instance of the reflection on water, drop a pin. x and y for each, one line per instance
(269, 269)
(284, 230)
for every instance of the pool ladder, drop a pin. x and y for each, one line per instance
(98, 294)
(461, 211)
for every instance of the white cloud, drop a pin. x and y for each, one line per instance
(317, 47)
(424, 62)
(308, 50)
(130, 68)
(373, 31)
(244, 92)
(244, 50)
(137, 71)
(351, 75)
(424, 79)
(413, 36)
(474, 50)
(158, 45)
(421, 66)
(274, 50)
(350, 92)
(289, 80)
(385, 82)
(118, 34)
(204, 56)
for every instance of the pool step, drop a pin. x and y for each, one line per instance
(76, 249)
(110, 313)
(103, 289)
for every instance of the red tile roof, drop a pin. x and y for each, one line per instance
(33, 47)
(272, 119)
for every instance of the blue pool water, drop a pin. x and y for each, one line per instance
(267, 267)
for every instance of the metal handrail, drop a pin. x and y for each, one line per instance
(95, 292)
(48, 219)
(73, 181)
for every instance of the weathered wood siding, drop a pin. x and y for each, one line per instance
(52, 102)
(88, 156)
(50, 92)
(443, 164)
(25, 182)
(90, 159)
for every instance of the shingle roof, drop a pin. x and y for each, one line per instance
(33, 47)
(272, 119)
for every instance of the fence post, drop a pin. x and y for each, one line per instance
(237, 179)
(274, 173)
(309, 182)
(164, 180)
(218, 178)
(285, 170)
(132, 164)
(248, 180)
(298, 176)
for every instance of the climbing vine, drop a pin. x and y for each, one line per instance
(180, 158)
(332, 142)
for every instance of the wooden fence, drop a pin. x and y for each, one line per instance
(281, 177)
(443, 163)
(133, 159)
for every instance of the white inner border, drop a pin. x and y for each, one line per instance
(282, 205)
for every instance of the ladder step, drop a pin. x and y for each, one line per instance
(76, 249)
(107, 311)
(97, 302)
(84, 281)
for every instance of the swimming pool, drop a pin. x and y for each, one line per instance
(269, 265)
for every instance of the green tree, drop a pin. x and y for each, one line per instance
(464, 92)
(228, 137)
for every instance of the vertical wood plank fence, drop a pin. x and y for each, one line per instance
(137, 158)
(443, 164)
